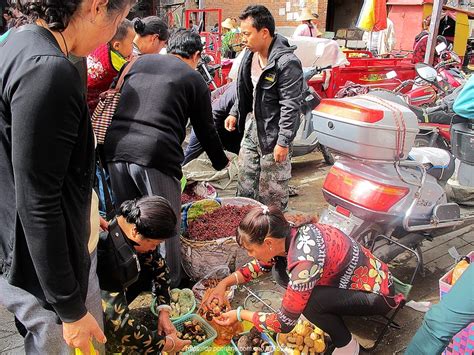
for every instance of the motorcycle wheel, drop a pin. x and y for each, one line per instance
(327, 155)
(424, 141)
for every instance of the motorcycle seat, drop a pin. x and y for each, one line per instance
(439, 163)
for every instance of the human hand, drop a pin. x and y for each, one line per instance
(230, 123)
(164, 323)
(78, 334)
(174, 344)
(227, 319)
(280, 153)
(104, 225)
(217, 293)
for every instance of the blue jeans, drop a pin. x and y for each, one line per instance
(454, 312)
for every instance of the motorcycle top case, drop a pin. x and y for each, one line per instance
(366, 127)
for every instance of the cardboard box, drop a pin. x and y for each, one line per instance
(462, 342)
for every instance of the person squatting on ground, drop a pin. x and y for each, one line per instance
(151, 35)
(327, 275)
(221, 107)
(269, 86)
(47, 159)
(453, 313)
(143, 224)
(106, 61)
(143, 143)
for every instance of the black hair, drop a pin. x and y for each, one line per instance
(261, 222)
(122, 30)
(151, 25)
(184, 43)
(261, 18)
(58, 13)
(153, 216)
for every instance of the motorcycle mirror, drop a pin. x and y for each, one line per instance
(440, 47)
(426, 72)
(391, 74)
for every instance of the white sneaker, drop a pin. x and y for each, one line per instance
(352, 348)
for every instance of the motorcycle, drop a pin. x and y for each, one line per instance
(435, 123)
(306, 140)
(419, 92)
(207, 70)
(381, 191)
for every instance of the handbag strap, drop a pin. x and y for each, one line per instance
(125, 71)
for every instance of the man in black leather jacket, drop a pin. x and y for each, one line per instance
(269, 87)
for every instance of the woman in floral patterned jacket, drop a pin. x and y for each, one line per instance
(144, 223)
(329, 275)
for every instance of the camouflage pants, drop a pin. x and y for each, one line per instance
(260, 177)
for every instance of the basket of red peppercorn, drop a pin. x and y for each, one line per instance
(208, 234)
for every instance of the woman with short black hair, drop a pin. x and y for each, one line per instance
(151, 35)
(142, 224)
(47, 255)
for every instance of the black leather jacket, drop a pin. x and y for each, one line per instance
(277, 95)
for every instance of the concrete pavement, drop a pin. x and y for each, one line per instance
(308, 176)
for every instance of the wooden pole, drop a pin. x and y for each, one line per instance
(433, 32)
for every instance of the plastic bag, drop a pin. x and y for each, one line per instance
(224, 333)
(210, 281)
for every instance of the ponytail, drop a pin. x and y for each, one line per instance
(261, 222)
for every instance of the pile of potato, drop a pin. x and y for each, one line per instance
(304, 339)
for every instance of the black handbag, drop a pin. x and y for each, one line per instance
(118, 266)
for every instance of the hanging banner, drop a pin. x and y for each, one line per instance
(373, 16)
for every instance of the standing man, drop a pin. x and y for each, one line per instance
(269, 87)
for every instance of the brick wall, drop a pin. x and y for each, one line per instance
(232, 8)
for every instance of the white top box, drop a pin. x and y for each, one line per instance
(366, 127)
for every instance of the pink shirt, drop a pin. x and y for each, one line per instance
(306, 31)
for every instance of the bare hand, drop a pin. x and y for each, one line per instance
(280, 153)
(230, 123)
(164, 323)
(218, 293)
(175, 345)
(227, 319)
(104, 225)
(78, 334)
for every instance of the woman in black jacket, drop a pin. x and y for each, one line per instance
(46, 164)
(142, 225)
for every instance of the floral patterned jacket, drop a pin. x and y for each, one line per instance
(124, 333)
(319, 255)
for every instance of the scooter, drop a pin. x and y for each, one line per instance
(421, 93)
(306, 140)
(435, 124)
(380, 191)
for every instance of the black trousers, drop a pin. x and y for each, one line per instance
(327, 305)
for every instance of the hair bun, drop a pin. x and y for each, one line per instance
(139, 26)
